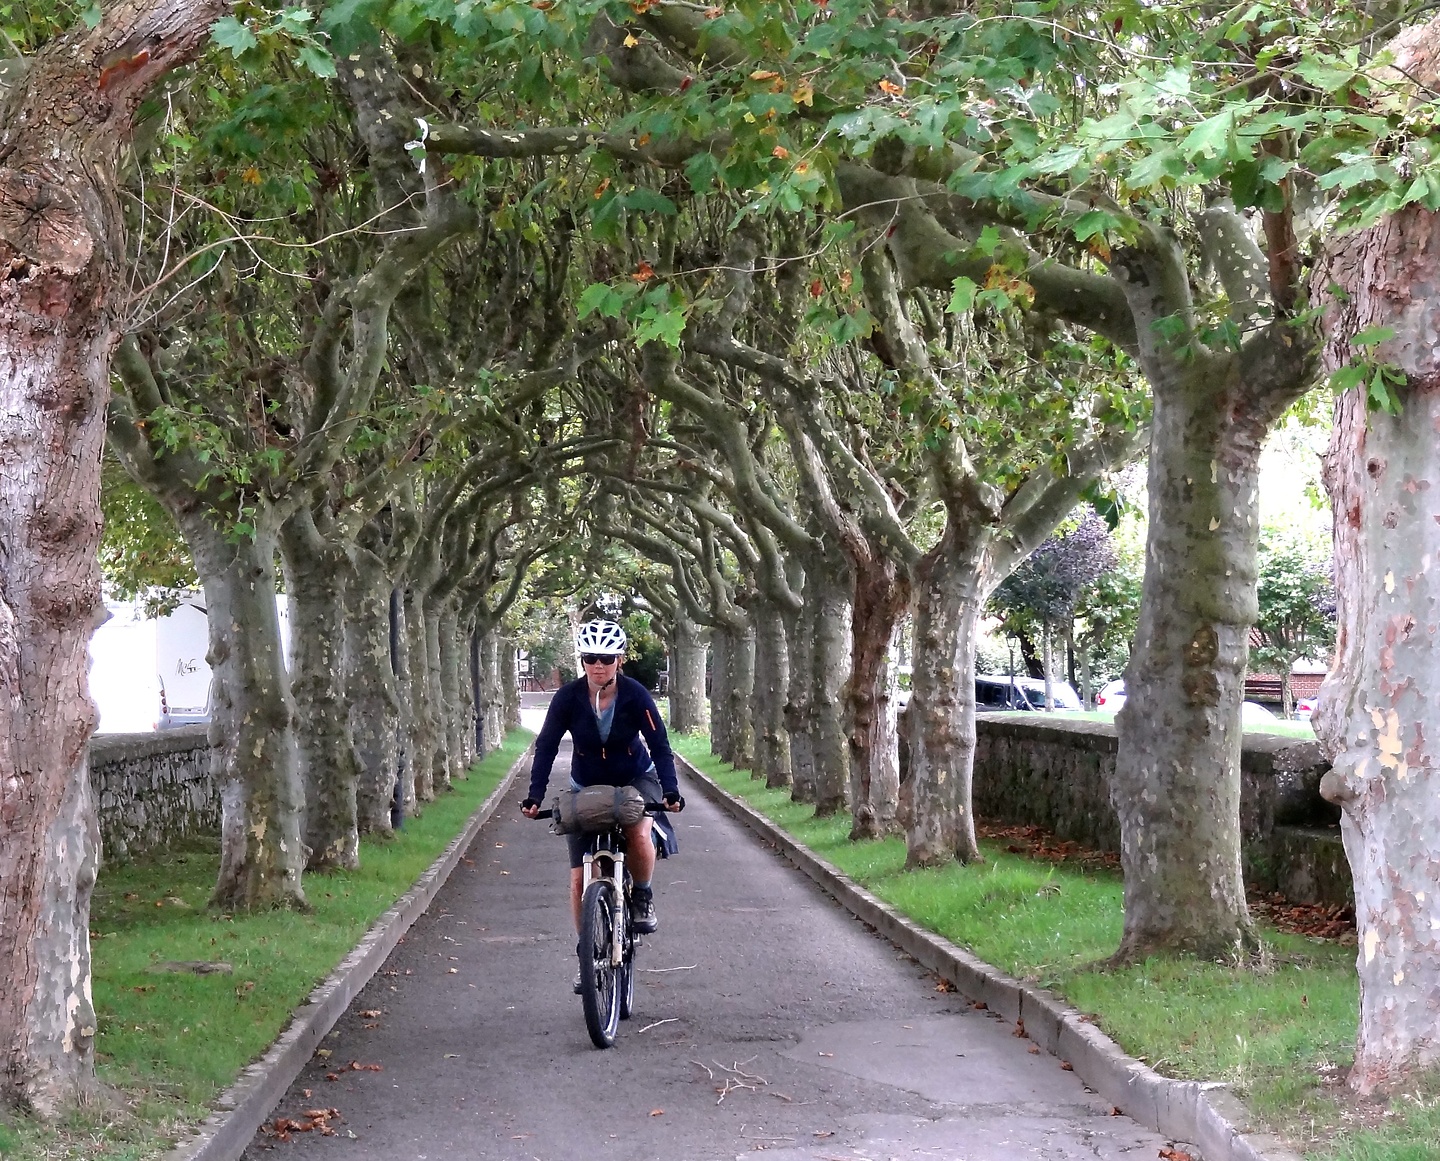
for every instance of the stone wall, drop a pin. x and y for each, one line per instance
(1031, 769)
(152, 788)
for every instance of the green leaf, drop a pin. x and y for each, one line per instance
(598, 298)
(659, 323)
(1095, 222)
(649, 202)
(988, 242)
(229, 33)
(319, 62)
(1372, 337)
(1210, 138)
(964, 297)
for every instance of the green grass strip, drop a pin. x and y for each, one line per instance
(168, 1044)
(1281, 1037)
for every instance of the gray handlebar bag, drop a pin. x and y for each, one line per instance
(596, 808)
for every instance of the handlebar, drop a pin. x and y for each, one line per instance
(650, 808)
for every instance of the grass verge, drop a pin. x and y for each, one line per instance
(1281, 1037)
(168, 1043)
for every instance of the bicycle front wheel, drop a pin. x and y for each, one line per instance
(599, 990)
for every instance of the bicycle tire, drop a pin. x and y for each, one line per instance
(599, 987)
(626, 980)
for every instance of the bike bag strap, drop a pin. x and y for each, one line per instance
(596, 808)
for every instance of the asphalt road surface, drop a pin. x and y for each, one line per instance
(767, 1021)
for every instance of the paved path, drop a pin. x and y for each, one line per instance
(767, 1020)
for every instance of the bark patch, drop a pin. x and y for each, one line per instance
(43, 223)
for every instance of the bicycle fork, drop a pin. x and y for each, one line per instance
(618, 902)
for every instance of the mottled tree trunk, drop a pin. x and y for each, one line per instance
(405, 693)
(315, 575)
(455, 680)
(772, 682)
(61, 245)
(722, 724)
(1176, 786)
(423, 722)
(881, 594)
(741, 658)
(492, 698)
(373, 702)
(687, 675)
(1377, 715)
(441, 703)
(799, 706)
(252, 718)
(830, 677)
(509, 684)
(940, 719)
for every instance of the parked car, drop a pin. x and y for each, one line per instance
(1112, 696)
(174, 716)
(999, 692)
(1252, 712)
(1305, 708)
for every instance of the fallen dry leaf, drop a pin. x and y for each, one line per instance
(371, 1013)
(1169, 1153)
(1034, 1050)
(657, 1112)
(1067, 1066)
(313, 1120)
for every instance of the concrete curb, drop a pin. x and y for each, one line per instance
(1205, 1114)
(242, 1108)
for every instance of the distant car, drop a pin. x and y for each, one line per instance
(1253, 711)
(999, 692)
(173, 717)
(1111, 696)
(1304, 708)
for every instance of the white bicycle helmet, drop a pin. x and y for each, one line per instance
(600, 637)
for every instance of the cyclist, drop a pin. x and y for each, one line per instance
(606, 715)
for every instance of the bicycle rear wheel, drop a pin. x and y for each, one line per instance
(626, 981)
(599, 985)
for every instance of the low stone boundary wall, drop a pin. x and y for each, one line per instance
(151, 789)
(1032, 769)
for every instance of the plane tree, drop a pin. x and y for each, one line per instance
(1376, 717)
(70, 99)
(307, 335)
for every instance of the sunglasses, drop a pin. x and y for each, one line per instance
(598, 658)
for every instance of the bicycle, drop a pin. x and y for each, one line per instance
(607, 965)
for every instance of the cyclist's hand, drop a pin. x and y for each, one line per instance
(530, 808)
(675, 802)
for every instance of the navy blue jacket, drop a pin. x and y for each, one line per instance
(622, 757)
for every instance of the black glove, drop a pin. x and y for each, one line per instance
(528, 803)
(675, 800)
